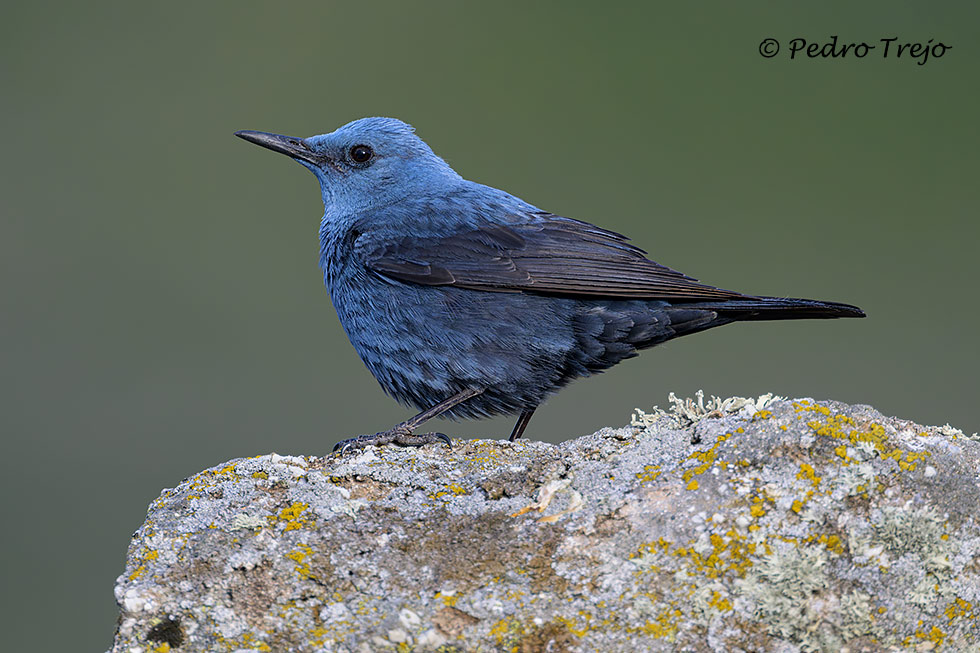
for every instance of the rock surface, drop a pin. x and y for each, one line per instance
(791, 525)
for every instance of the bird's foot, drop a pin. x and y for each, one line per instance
(399, 435)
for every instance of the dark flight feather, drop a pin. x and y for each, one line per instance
(553, 256)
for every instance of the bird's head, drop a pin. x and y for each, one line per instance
(366, 163)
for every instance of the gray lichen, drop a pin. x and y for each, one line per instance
(792, 525)
(800, 601)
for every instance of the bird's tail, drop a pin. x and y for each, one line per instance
(691, 318)
(611, 331)
(781, 308)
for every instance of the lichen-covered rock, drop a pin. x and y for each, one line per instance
(791, 525)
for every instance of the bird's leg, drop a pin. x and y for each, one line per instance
(521, 424)
(404, 434)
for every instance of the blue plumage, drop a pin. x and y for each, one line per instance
(465, 300)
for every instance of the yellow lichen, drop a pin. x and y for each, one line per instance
(448, 599)
(651, 547)
(452, 489)
(843, 427)
(719, 603)
(649, 474)
(571, 626)
(664, 625)
(832, 542)
(912, 458)
(707, 458)
(299, 556)
(505, 630)
(807, 473)
(292, 516)
(248, 641)
(935, 636)
(730, 552)
(959, 608)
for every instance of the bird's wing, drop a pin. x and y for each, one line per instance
(551, 255)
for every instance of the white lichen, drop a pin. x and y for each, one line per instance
(915, 530)
(247, 522)
(952, 431)
(792, 595)
(684, 412)
(856, 479)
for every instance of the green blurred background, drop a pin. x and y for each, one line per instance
(161, 306)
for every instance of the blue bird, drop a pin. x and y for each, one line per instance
(466, 301)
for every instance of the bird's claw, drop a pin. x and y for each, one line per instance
(401, 437)
(444, 438)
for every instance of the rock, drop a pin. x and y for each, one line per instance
(791, 526)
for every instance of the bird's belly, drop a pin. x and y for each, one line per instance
(424, 344)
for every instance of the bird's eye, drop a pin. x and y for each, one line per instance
(361, 153)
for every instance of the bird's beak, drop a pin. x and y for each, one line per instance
(288, 145)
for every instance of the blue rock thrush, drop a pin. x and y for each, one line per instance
(466, 301)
